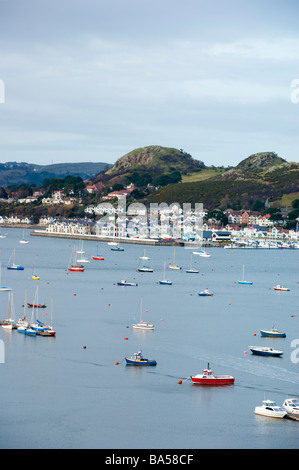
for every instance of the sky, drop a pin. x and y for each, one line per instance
(91, 80)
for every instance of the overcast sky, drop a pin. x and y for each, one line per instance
(90, 80)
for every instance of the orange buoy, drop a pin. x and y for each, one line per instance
(126, 338)
(254, 334)
(116, 363)
(179, 381)
(84, 347)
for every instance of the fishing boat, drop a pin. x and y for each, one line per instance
(280, 288)
(138, 360)
(174, 266)
(265, 351)
(205, 293)
(14, 266)
(291, 406)
(191, 270)
(165, 281)
(270, 409)
(143, 325)
(274, 333)
(126, 283)
(243, 281)
(207, 377)
(144, 257)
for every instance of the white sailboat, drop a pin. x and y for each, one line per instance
(23, 240)
(22, 324)
(143, 325)
(144, 257)
(81, 259)
(191, 270)
(243, 281)
(165, 281)
(9, 322)
(174, 266)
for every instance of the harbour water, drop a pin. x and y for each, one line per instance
(74, 391)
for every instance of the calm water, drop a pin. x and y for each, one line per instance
(58, 394)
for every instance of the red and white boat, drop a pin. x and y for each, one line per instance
(278, 287)
(207, 377)
(99, 258)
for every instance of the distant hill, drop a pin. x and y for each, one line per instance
(13, 173)
(260, 177)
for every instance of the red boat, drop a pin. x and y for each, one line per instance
(100, 258)
(75, 268)
(208, 378)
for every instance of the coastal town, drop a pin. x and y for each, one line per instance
(157, 223)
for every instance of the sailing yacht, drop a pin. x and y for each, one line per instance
(174, 266)
(165, 281)
(23, 240)
(143, 325)
(144, 257)
(14, 266)
(243, 281)
(9, 322)
(191, 270)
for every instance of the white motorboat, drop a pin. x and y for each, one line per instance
(271, 409)
(291, 406)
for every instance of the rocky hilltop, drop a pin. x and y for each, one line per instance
(156, 159)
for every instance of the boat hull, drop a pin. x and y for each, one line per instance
(140, 363)
(245, 282)
(259, 410)
(145, 270)
(99, 258)
(215, 380)
(273, 334)
(266, 352)
(165, 283)
(127, 284)
(15, 268)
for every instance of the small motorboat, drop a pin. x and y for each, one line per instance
(126, 283)
(271, 409)
(280, 288)
(207, 377)
(205, 293)
(265, 351)
(291, 406)
(138, 360)
(274, 333)
(145, 269)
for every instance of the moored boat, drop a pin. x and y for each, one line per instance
(207, 377)
(126, 283)
(138, 360)
(145, 269)
(281, 288)
(243, 281)
(274, 333)
(271, 409)
(265, 351)
(14, 266)
(291, 406)
(205, 293)
(143, 325)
